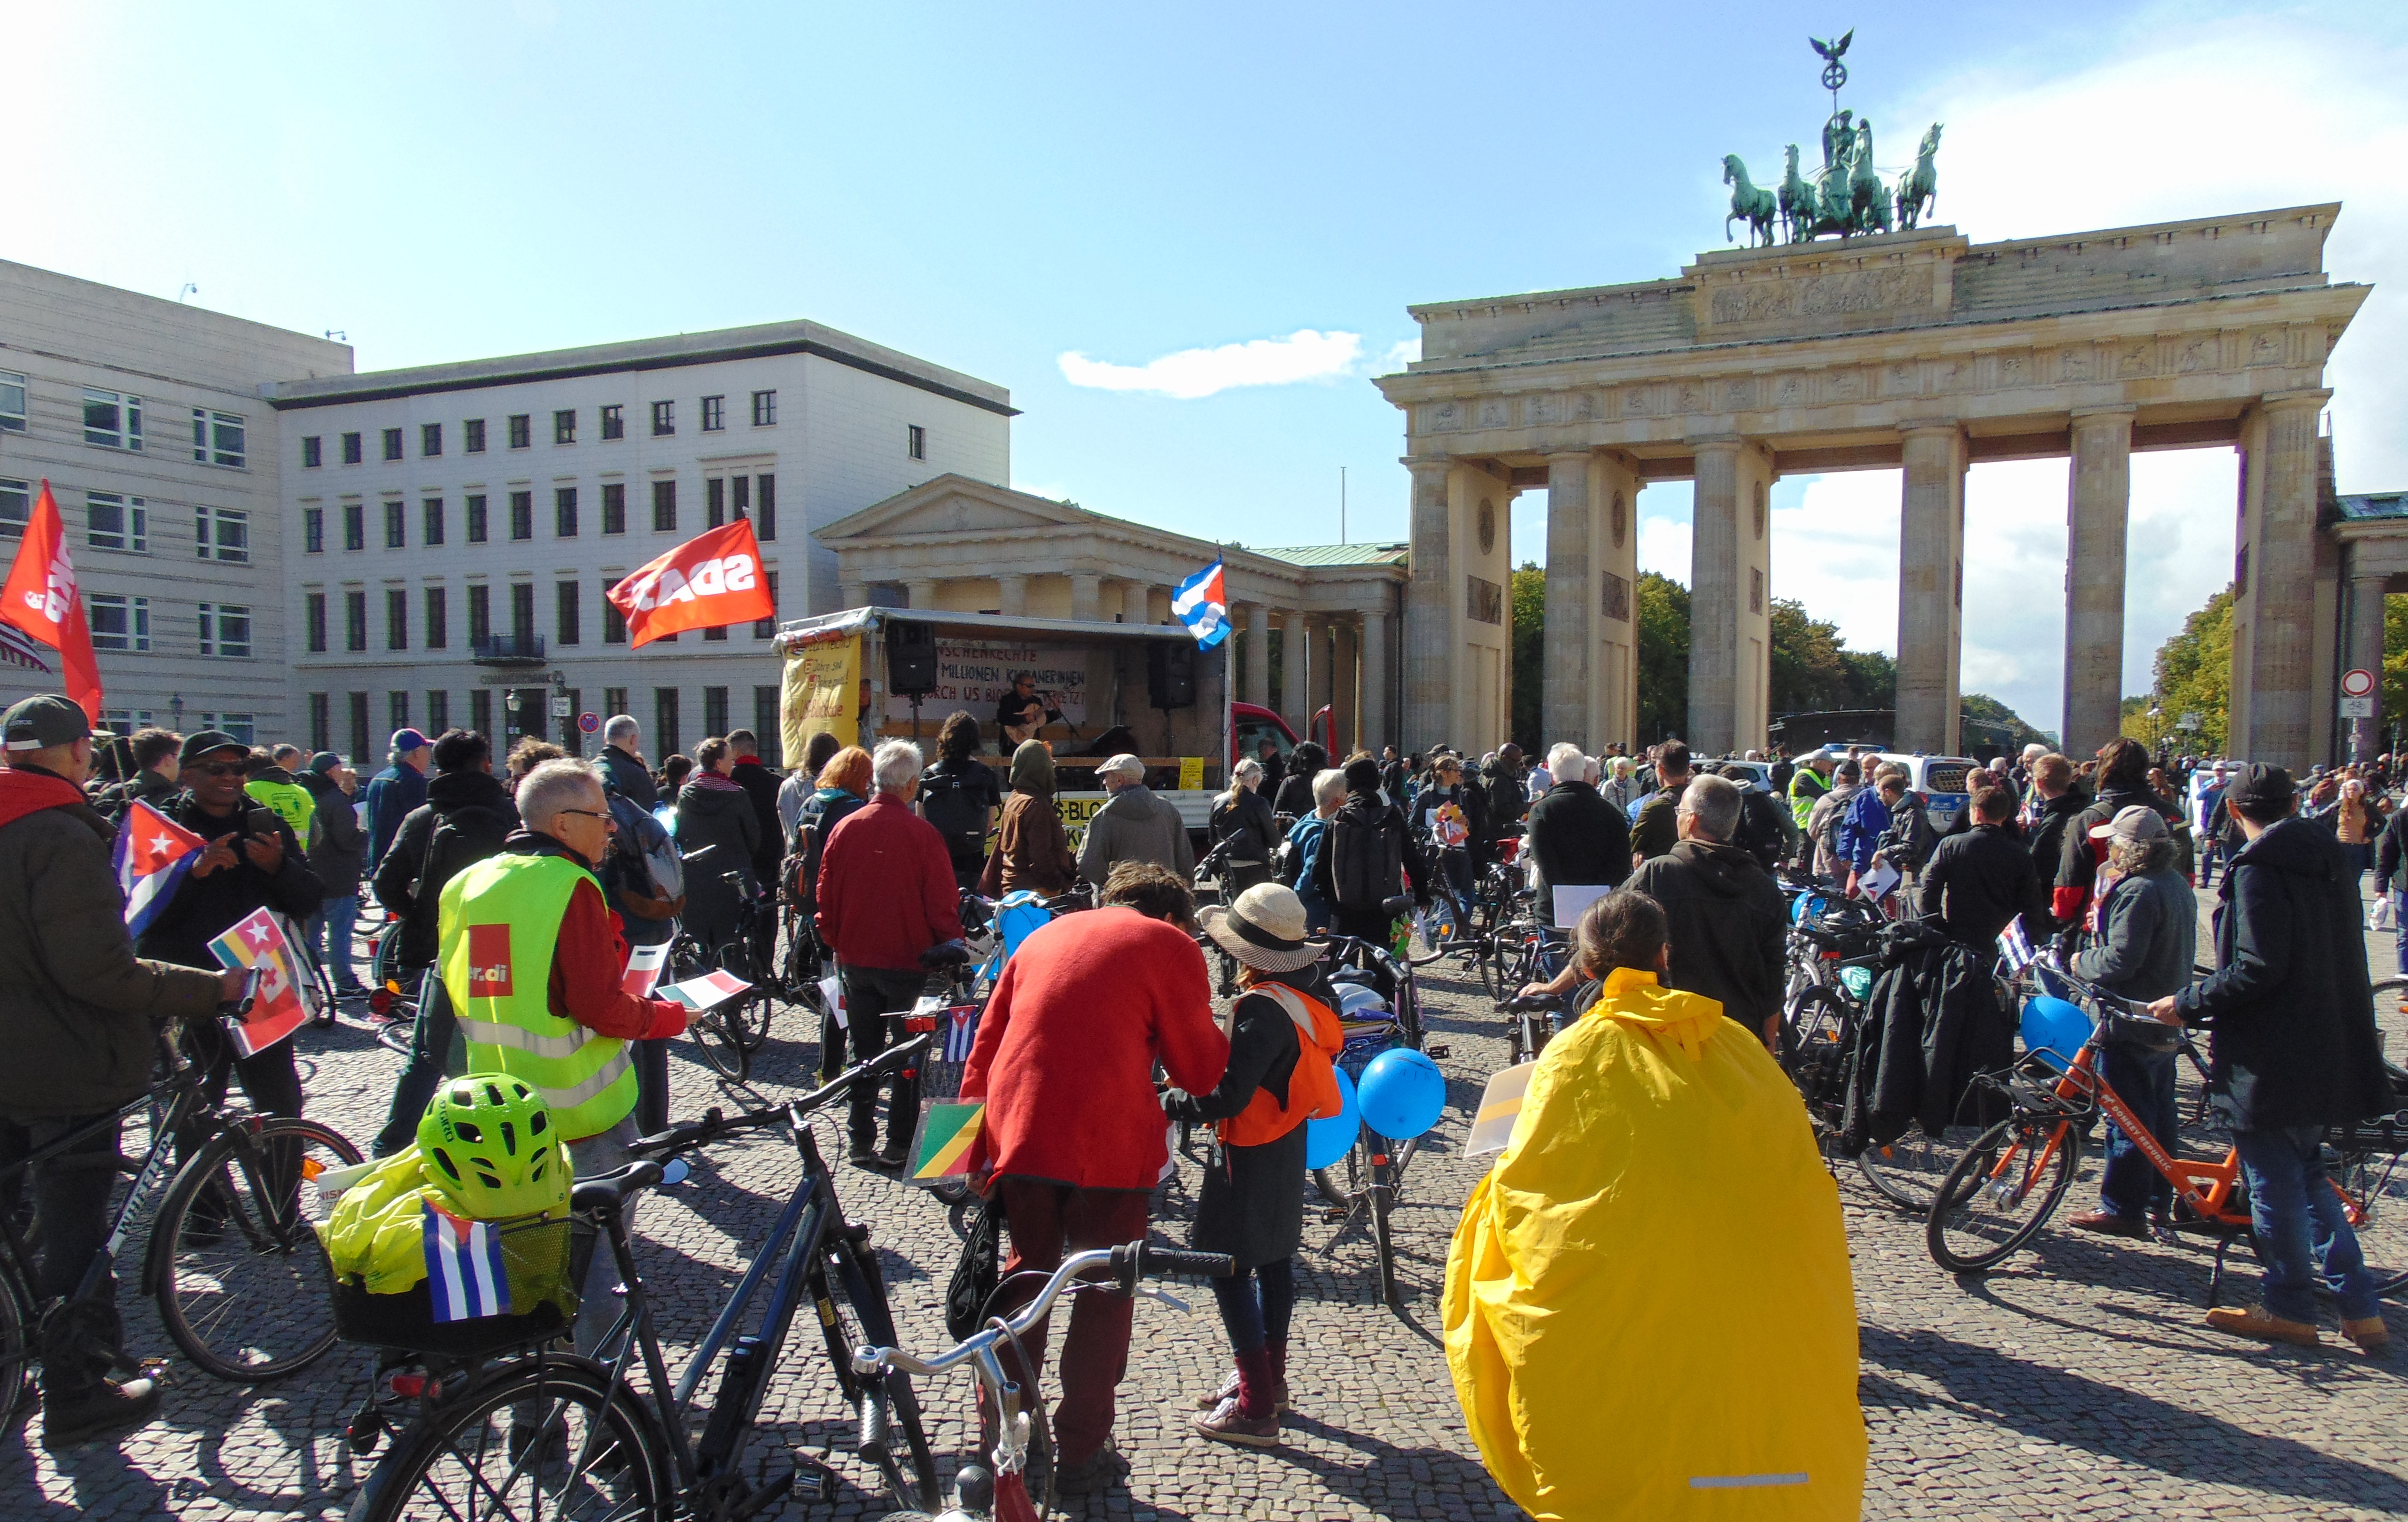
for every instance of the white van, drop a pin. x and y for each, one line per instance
(1942, 781)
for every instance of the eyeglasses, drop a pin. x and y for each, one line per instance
(590, 813)
(219, 768)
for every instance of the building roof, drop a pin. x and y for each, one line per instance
(1337, 554)
(2363, 507)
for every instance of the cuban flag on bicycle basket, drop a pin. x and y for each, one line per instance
(154, 853)
(465, 1277)
(1202, 603)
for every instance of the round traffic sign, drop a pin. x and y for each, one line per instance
(2358, 681)
(588, 723)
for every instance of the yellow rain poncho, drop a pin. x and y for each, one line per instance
(376, 1232)
(1648, 1308)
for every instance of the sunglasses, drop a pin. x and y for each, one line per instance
(219, 768)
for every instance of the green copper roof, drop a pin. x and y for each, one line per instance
(1337, 554)
(2358, 506)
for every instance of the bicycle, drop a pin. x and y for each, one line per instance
(1375, 1170)
(736, 949)
(233, 1261)
(1905, 1170)
(1020, 1440)
(526, 1430)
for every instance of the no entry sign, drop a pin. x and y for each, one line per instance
(2358, 681)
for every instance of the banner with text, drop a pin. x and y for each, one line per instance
(974, 674)
(822, 692)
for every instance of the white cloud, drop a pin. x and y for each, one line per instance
(1302, 356)
(1400, 353)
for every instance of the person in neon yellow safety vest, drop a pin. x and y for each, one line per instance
(532, 961)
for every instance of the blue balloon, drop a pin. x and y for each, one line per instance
(1326, 1141)
(2055, 1027)
(1402, 1094)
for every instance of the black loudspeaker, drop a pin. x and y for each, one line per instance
(910, 659)
(1171, 674)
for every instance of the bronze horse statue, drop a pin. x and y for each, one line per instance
(1749, 201)
(1919, 187)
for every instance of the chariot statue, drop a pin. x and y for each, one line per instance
(1848, 194)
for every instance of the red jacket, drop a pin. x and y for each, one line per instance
(1067, 1048)
(886, 889)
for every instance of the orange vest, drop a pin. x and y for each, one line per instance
(1311, 1088)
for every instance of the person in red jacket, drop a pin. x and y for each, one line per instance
(1075, 1134)
(887, 893)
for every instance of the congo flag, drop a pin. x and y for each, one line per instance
(947, 1145)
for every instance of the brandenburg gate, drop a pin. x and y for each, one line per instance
(1916, 349)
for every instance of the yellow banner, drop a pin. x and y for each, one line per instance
(1076, 809)
(822, 691)
(1191, 773)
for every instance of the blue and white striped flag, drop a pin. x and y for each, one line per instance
(1202, 603)
(961, 1032)
(2015, 946)
(465, 1277)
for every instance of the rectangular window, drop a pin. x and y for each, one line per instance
(563, 512)
(313, 530)
(218, 439)
(430, 440)
(222, 533)
(472, 435)
(664, 506)
(392, 443)
(117, 522)
(523, 615)
(438, 622)
(614, 422)
(358, 703)
(714, 414)
(664, 419)
(439, 712)
(322, 722)
(916, 441)
(315, 604)
(614, 700)
(352, 449)
(565, 605)
(225, 631)
(396, 710)
(521, 429)
(356, 620)
(764, 521)
(430, 511)
(765, 718)
(764, 408)
(119, 622)
(12, 403)
(476, 510)
(239, 727)
(112, 419)
(480, 613)
(397, 618)
(481, 710)
(312, 456)
(521, 515)
(355, 526)
(614, 506)
(564, 426)
(766, 629)
(714, 710)
(16, 508)
(714, 502)
(740, 496)
(665, 719)
(397, 525)
(614, 623)
(719, 633)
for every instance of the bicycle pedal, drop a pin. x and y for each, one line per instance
(813, 1481)
(1434, 1053)
(1331, 1214)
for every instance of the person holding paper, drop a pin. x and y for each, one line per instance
(1577, 837)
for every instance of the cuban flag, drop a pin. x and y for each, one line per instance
(465, 1277)
(2015, 946)
(154, 853)
(961, 1032)
(1202, 603)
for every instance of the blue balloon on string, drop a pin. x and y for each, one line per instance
(1403, 1094)
(1326, 1141)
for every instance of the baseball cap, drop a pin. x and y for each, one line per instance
(201, 743)
(406, 740)
(41, 722)
(324, 761)
(2260, 783)
(2137, 821)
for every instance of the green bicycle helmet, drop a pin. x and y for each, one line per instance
(487, 1145)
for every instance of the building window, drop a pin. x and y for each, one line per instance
(614, 506)
(472, 435)
(764, 408)
(430, 439)
(358, 703)
(916, 440)
(476, 510)
(225, 631)
(352, 449)
(356, 620)
(312, 456)
(431, 511)
(12, 403)
(521, 515)
(438, 623)
(355, 526)
(313, 530)
(664, 504)
(322, 722)
(397, 618)
(112, 419)
(439, 712)
(396, 710)
(117, 622)
(614, 422)
(718, 633)
(522, 613)
(222, 533)
(239, 727)
(664, 419)
(392, 443)
(714, 502)
(614, 623)
(565, 605)
(563, 512)
(16, 508)
(665, 719)
(765, 518)
(714, 710)
(522, 430)
(315, 604)
(481, 710)
(614, 700)
(117, 522)
(564, 426)
(714, 414)
(766, 726)
(218, 439)
(397, 525)
(763, 628)
(480, 613)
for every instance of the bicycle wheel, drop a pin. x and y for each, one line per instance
(1907, 1171)
(909, 1469)
(555, 1440)
(16, 1349)
(748, 1019)
(2002, 1191)
(1332, 1196)
(2376, 1184)
(1817, 1029)
(1384, 1247)
(720, 1048)
(241, 1281)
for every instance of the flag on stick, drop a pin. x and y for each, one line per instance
(1202, 603)
(153, 854)
(277, 1009)
(708, 582)
(40, 600)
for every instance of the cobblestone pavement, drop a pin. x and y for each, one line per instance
(2077, 1381)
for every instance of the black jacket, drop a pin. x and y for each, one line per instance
(1656, 826)
(1508, 788)
(1251, 1204)
(2077, 860)
(147, 786)
(479, 809)
(205, 907)
(2289, 1011)
(2047, 843)
(2388, 850)
(625, 776)
(1242, 814)
(1471, 798)
(721, 817)
(760, 785)
(1730, 927)
(1977, 882)
(1577, 837)
(338, 845)
(1933, 1022)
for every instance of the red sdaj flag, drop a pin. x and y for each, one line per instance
(40, 600)
(708, 582)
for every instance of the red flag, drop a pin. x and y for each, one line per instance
(708, 582)
(40, 598)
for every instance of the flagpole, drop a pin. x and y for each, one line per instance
(1228, 683)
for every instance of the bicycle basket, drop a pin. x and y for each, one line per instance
(535, 1252)
(1365, 1040)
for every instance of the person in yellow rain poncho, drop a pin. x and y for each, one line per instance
(1648, 1308)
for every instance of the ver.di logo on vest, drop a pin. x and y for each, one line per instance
(489, 961)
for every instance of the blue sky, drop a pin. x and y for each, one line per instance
(1035, 192)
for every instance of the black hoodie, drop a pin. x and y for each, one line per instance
(409, 880)
(1730, 927)
(2078, 862)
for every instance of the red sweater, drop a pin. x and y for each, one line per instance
(1067, 1048)
(886, 888)
(588, 964)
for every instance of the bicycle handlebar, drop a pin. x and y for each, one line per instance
(1528, 1003)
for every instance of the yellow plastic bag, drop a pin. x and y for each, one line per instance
(1648, 1308)
(377, 1233)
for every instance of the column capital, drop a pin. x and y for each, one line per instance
(2084, 414)
(2313, 398)
(1425, 463)
(1569, 456)
(1931, 426)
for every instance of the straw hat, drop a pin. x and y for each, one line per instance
(1265, 928)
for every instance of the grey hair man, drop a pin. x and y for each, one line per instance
(624, 771)
(1577, 837)
(1730, 927)
(1134, 825)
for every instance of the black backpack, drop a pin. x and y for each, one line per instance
(1367, 859)
(956, 805)
(1758, 834)
(1909, 840)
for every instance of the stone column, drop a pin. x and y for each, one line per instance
(1345, 662)
(1254, 680)
(2362, 738)
(852, 594)
(1293, 642)
(1376, 731)
(1571, 604)
(2273, 614)
(1014, 596)
(1614, 562)
(2098, 504)
(1715, 599)
(1930, 588)
(1087, 597)
(920, 592)
(1133, 602)
(1430, 604)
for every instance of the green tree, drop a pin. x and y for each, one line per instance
(1662, 657)
(1530, 593)
(1872, 679)
(2194, 675)
(1984, 709)
(2395, 668)
(1809, 668)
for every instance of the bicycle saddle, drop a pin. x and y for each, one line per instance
(949, 953)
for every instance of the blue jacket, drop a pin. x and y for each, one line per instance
(1861, 828)
(1306, 836)
(392, 792)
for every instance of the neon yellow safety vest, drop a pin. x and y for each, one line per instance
(500, 924)
(290, 801)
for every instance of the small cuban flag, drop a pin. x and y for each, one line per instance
(464, 1276)
(1202, 603)
(2015, 946)
(153, 854)
(961, 1032)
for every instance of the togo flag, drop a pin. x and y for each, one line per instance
(464, 1278)
(1202, 603)
(153, 854)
